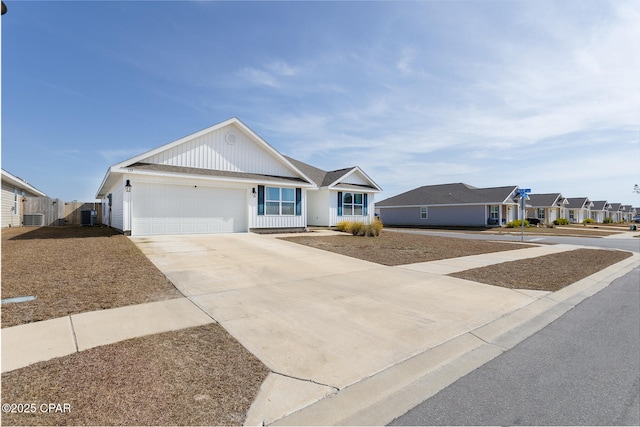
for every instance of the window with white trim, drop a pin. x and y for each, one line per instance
(424, 212)
(541, 213)
(352, 204)
(495, 212)
(280, 201)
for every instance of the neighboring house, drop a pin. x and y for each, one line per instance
(627, 213)
(450, 205)
(15, 190)
(545, 207)
(577, 209)
(600, 211)
(227, 179)
(615, 212)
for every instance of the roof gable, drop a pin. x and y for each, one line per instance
(600, 205)
(343, 178)
(546, 200)
(452, 194)
(230, 148)
(578, 203)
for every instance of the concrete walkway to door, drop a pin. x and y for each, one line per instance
(325, 324)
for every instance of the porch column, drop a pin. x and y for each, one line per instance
(500, 214)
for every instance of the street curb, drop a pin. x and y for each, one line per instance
(379, 399)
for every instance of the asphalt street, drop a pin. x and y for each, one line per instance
(582, 369)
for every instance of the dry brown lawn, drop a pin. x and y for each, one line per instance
(73, 270)
(550, 273)
(545, 273)
(196, 376)
(392, 248)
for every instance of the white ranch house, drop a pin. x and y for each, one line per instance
(227, 179)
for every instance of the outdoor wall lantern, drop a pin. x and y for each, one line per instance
(127, 186)
(253, 191)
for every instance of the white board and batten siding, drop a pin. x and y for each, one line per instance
(354, 178)
(277, 221)
(226, 149)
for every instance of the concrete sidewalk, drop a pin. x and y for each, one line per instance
(27, 344)
(382, 397)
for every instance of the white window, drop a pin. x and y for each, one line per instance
(541, 213)
(424, 213)
(495, 212)
(572, 215)
(15, 201)
(352, 204)
(280, 201)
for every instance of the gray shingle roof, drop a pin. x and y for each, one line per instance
(544, 200)
(451, 194)
(599, 205)
(322, 178)
(577, 202)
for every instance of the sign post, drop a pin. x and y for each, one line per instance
(523, 199)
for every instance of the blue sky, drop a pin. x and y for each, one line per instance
(541, 94)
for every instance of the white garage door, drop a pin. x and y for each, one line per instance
(179, 209)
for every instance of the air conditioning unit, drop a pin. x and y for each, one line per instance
(88, 217)
(33, 220)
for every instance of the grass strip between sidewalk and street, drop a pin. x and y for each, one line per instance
(195, 376)
(546, 273)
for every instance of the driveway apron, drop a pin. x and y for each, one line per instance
(322, 317)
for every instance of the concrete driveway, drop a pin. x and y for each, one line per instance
(323, 318)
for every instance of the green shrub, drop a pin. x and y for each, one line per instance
(517, 223)
(587, 221)
(561, 221)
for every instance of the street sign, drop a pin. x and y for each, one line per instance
(523, 197)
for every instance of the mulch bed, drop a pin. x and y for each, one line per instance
(545, 273)
(392, 248)
(73, 270)
(196, 376)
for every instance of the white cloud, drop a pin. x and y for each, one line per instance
(282, 69)
(259, 77)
